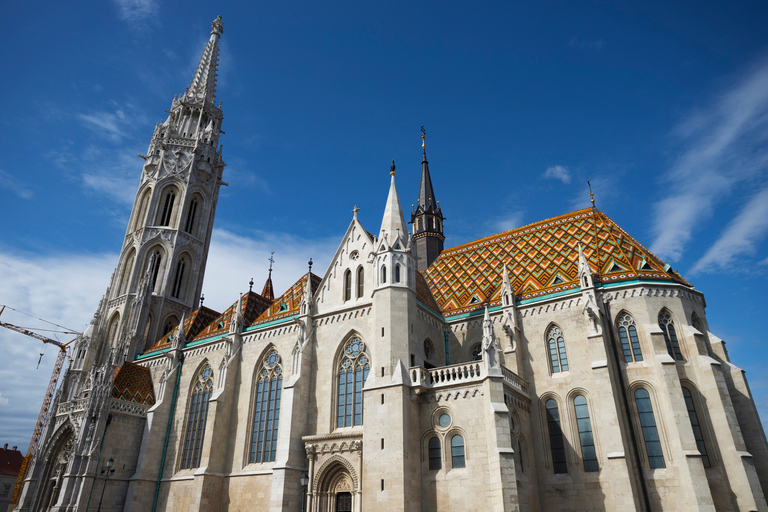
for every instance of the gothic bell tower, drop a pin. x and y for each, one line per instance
(427, 218)
(160, 273)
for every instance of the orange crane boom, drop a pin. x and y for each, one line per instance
(46, 401)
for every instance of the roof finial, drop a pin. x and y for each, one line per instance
(354, 211)
(392, 169)
(250, 285)
(271, 261)
(591, 194)
(202, 299)
(423, 138)
(310, 265)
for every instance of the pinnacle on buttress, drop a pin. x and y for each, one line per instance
(393, 223)
(585, 272)
(203, 86)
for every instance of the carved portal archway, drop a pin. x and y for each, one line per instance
(56, 459)
(336, 487)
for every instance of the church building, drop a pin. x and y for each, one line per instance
(556, 366)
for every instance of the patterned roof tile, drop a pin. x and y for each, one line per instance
(542, 258)
(198, 320)
(133, 383)
(289, 303)
(253, 305)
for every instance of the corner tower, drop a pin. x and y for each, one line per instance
(427, 218)
(160, 273)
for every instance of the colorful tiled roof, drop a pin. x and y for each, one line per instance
(133, 383)
(289, 303)
(542, 259)
(424, 295)
(198, 320)
(252, 305)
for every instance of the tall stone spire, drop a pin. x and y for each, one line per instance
(427, 218)
(393, 223)
(203, 87)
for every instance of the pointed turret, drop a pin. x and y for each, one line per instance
(427, 218)
(268, 292)
(585, 272)
(393, 225)
(203, 86)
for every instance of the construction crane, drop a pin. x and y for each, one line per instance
(48, 394)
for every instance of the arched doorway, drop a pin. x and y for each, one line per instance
(337, 487)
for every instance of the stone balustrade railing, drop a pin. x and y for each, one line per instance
(460, 374)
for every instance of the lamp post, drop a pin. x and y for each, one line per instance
(304, 479)
(106, 473)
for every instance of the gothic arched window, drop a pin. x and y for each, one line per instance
(178, 278)
(587, 441)
(197, 418)
(170, 198)
(557, 356)
(457, 452)
(353, 370)
(630, 344)
(189, 225)
(397, 272)
(556, 442)
(154, 268)
(266, 409)
(112, 330)
(347, 285)
(383, 274)
(670, 336)
(696, 425)
(360, 282)
(650, 432)
(126, 275)
(141, 213)
(170, 324)
(435, 454)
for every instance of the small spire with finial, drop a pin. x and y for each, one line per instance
(250, 285)
(392, 169)
(202, 299)
(591, 194)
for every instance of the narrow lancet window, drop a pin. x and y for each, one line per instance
(360, 282)
(397, 273)
(154, 269)
(697, 434)
(435, 454)
(170, 197)
(196, 419)
(457, 452)
(190, 224)
(587, 441)
(347, 285)
(556, 442)
(670, 336)
(630, 344)
(178, 278)
(266, 415)
(383, 274)
(353, 371)
(557, 355)
(650, 432)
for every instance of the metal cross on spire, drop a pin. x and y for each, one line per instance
(271, 261)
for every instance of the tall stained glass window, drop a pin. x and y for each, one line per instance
(586, 439)
(670, 336)
(266, 410)
(353, 370)
(697, 434)
(630, 344)
(650, 432)
(556, 441)
(197, 418)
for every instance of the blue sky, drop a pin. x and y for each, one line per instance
(663, 106)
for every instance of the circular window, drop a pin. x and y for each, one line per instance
(477, 353)
(444, 420)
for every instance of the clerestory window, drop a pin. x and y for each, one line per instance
(557, 356)
(266, 412)
(353, 371)
(630, 344)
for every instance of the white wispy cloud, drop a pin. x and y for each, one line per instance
(507, 222)
(722, 145)
(112, 125)
(66, 288)
(9, 182)
(558, 172)
(133, 11)
(740, 237)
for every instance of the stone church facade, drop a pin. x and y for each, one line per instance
(557, 366)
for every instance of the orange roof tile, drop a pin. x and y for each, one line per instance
(289, 303)
(133, 383)
(542, 258)
(252, 305)
(193, 325)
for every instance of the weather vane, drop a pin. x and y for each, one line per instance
(423, 136)
(591, 195)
